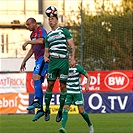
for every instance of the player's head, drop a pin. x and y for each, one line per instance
(53, 22)
(31, 24)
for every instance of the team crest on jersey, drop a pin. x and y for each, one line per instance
(72, 71)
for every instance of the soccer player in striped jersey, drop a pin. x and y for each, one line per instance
(37, 36)
(74, 95)
(58, 42)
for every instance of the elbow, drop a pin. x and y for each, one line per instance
(41, 41)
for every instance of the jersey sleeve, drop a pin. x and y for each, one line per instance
(46, 43)
(81, 70)
(42, 32)
(67, 33)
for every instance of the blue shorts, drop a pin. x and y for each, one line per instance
(40, 67)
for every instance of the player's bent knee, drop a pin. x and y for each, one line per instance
(81, 110)
(66, 107)
(50, 85)
(63, 87)
(36, 77)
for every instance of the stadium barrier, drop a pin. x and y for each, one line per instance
(109, 92)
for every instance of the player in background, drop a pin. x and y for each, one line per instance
(56, 53)
(37, 36)
(74, 95)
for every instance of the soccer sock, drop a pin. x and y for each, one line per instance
(64, 117)
(41, 98)
(86, 118)
(48, 96)
(62, 100)
(38, 91)
(42, 79)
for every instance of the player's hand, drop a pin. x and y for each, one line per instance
(86, 88)
(46, 59)
(23, 68)
(24, 45)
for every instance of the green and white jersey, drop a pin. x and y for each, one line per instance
(56, 41)
(73, 82)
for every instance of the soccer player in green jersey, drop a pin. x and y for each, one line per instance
(74, 95)
(57, 44)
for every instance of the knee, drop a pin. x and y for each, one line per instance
(66, 107)
(50, 86)
(81, 110)
(36, 77)
(63, 87)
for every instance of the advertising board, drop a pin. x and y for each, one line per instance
(13, 83)
(101, 81)
(15, 103)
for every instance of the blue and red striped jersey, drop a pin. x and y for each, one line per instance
(38, 49)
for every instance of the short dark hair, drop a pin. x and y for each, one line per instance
(32, 19)
(56, 17)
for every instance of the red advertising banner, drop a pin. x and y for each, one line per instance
(110, 81)
(30, 84)
(13, 83)
(14, 103)
(101, 81)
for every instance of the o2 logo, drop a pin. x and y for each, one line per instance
(109, 104)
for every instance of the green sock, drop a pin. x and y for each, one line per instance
(64, 117)
(62, 100)
(86, 118)
(48, 96)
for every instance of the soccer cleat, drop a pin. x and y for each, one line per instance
(62, 130)
(47, 115)
(91, 129)
(59, 116)
(39, 114)
(34, 105)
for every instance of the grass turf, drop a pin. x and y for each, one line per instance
(103, 123)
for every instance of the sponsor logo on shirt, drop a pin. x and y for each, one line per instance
(63, 76)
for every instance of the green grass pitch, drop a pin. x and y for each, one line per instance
(103, 123)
